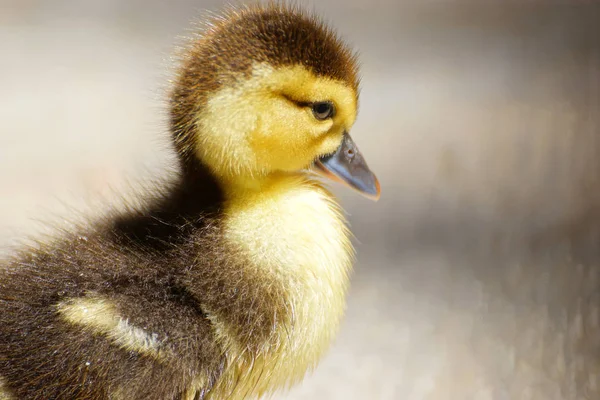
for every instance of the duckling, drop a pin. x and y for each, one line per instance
(231, 282)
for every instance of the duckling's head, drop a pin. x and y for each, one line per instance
(269, 90)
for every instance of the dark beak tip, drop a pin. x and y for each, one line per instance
(373, 192)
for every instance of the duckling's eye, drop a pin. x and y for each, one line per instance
(323, 110)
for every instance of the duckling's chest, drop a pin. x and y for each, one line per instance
(298, 239)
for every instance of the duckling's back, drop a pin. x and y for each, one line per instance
(89, 317)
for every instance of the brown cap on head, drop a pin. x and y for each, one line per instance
(279, 35)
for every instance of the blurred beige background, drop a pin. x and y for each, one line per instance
(479, 269)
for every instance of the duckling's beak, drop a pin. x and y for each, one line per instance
(348, 166)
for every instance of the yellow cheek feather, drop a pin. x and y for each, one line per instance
(287, 136)
(257, 127)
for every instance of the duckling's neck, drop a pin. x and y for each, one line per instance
(291, 229)
(291, 220)
(238, 187)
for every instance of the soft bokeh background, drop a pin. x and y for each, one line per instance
(478, 271)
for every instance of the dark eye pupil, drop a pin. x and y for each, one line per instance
(322, 110)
